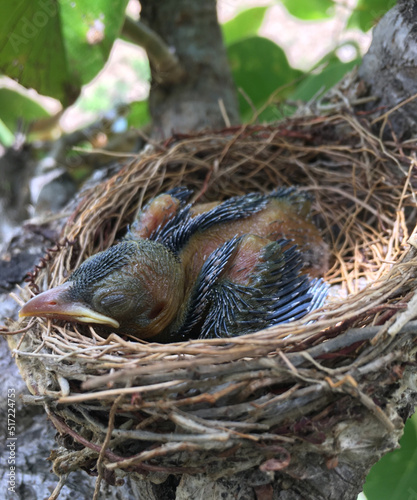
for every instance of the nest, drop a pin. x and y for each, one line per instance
(219, 406)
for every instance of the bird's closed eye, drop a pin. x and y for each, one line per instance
(115, 303)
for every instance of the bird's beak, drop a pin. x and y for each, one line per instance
(57, 304)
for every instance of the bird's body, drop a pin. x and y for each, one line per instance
(184, 271)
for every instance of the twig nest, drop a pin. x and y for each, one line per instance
(335, 384)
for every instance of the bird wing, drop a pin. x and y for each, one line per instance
(235, 295)
(180, 229)
(202, 294)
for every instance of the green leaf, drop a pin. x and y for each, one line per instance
(89, 30)
(395, 475)
(315, 85)
(15, 107)
(368, 12)
(259, 68)
(6, 136)
(274, 112)
(245, 24)
(56, 46)
(138, 115)
(310, 9)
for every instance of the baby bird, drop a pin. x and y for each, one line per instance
(210, 270)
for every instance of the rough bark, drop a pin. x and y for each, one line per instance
(15, 168)
(191, 29)
(390, 67)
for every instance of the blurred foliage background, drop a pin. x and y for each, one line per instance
(279, 50)
(56, 79)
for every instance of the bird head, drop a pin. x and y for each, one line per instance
(136, 286)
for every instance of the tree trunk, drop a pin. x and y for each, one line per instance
(205, 98)
(390, 68)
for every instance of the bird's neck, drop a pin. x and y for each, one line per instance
(164, 282)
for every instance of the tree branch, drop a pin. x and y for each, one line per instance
(166, 64)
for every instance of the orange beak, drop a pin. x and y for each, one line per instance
(56, 304)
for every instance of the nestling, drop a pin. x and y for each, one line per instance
(213, 270)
